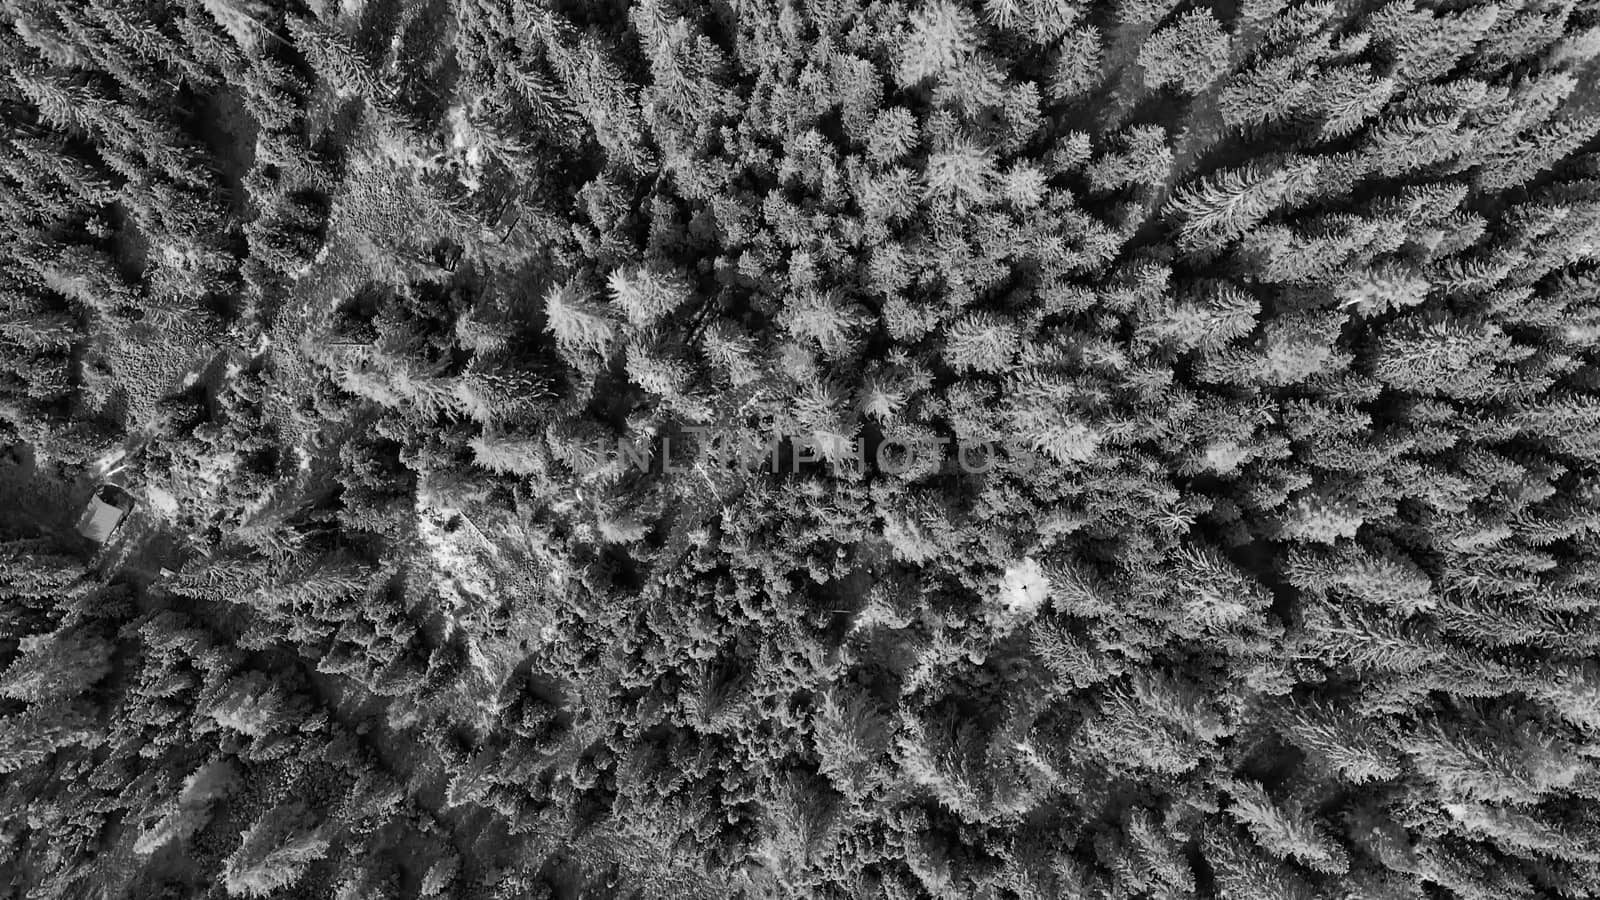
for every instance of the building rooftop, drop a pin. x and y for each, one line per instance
(104, 513)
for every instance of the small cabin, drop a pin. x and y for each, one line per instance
(107, 508)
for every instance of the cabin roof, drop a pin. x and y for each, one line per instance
(99, 520)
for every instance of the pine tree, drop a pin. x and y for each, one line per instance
(960, 175)
(1142, 157)
(577, 322)
(598, 89)
(56, 666)
(941, 38)
(1076, 68)
(1224, 206)
(274, 852)
(647, 296)
(1188, 54)
(981, 341)
(827, 318)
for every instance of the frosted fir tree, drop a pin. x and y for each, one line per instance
(274, 852)
(1076, 69)
(981, 341)
(56, 666)
(647, 296)
(1140, 156)
(1285, 830)
(942, 36)
(1188, 54)
(579, 323)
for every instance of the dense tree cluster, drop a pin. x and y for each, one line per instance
(407, 322)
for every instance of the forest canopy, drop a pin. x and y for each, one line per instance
(408, 324)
